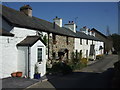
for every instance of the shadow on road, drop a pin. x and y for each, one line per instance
(84, 80)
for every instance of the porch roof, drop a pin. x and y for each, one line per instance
(30, 40)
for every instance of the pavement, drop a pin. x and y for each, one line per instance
(98, 74)
(17, 82)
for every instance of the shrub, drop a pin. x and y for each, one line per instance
(99, 56)
(60, 68)
(84, 61)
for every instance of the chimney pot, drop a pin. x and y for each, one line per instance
(26, 9)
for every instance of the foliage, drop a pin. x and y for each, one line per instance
(60, 67)
(99, 56)
(45, 38)
(116, 41)
(84, 61)
(80, 55)
(77, 66)
(77, 62)
(117, 69)
(36, 69)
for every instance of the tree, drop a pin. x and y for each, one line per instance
(116, 41)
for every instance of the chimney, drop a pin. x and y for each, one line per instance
(58, 21)
(27, 10)
(85, 30)
(88, 31)
(71, 25)
(92, 33)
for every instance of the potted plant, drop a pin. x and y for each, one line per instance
(19, 74)
(37, 74)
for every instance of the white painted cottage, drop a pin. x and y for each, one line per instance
(21, 48)
(86, 42)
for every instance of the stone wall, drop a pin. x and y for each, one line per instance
(61, 43)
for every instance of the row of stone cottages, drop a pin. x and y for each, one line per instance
(22, 46)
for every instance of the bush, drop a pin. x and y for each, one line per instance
(84, 61)
(60, 68)
(77, 66)
(99, 56)
(117, 69)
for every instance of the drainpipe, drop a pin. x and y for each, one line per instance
(48, 46)
(28, 61)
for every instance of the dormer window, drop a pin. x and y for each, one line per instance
(86, 41)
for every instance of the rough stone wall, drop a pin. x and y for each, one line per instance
(61, 43)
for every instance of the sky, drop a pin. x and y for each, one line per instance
(99, 15)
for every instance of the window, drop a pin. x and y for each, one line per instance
(67, 41)
(54, 39)
(80, 41)
(39, 54)
(86, 41)
(92, 42)
(86, 53)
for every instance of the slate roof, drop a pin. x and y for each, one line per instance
(30, 40)
(84, 36)
(19, 19)
(3, 32)
(93, 29)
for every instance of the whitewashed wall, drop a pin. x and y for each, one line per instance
(97, 46)
(82, 46)
(21, 34)
(85, 47)
(8, 52)
(23, 60)
(33, 59)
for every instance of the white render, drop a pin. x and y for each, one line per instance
(84, 47)
(12, 56)
(23, 59)
(8, 58)
(33, 58)
(58, 21)
(71, 26)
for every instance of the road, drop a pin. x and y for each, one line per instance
(97, 75)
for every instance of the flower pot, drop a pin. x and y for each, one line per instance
(13, 74)
(37, 76)
(19, 74)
